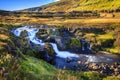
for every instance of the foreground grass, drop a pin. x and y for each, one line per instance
(36, 69)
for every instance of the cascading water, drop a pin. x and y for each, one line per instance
(32, 37)
(65, 54)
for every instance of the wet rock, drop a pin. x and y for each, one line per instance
(79, 62)
(118, 76)
(1, 71)
(61, 42)
(86, 63)
(68, 60)
(24, 34)
(116, 69)
(50, 39)
(42, 34)
(119, 66)
(50, 50)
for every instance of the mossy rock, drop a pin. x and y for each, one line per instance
(50, 50)
(74, 42)
(111, 78)
(24, 34)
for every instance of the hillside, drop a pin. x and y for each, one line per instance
(81, 5)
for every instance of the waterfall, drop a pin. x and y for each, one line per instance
(32, 37)
(63, 54)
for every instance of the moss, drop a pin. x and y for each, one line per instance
(72, 75)
(31, 52)
(50, 50)
(92, 75)
(24, 34)
(74, 42)
(111, 78)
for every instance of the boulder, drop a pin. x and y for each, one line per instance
(24, 34)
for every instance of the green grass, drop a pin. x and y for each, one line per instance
(36, 69)
(111, 78)
(37, 66)
(98, 5)
(112, 50)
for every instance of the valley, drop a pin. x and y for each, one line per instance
(63, 40)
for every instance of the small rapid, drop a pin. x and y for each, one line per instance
(63, 55)
(32, 37)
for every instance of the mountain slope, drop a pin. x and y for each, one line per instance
(81, 5)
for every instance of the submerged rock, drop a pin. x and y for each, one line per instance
(24, 34)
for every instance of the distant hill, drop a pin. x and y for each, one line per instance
(4, 11)
(78, 5)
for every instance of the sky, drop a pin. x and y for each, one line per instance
(22, 4)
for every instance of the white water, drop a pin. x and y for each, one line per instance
(32, 37)
(63, 54)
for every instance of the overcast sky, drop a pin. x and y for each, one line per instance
(22, 4)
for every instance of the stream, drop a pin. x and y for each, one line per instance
(61, 56)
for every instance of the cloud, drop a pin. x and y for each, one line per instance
(56, 0)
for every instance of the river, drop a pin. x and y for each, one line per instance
(62, 55)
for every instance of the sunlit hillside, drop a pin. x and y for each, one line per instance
(80, 5)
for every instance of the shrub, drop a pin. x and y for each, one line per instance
(31, 52)
(107, 43)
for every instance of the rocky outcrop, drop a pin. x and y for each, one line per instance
(24, 34)
(103, 68)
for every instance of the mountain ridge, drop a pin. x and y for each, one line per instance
(78, 5)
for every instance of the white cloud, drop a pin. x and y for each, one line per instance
(56, 0)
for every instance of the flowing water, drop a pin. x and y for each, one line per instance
(61, 56)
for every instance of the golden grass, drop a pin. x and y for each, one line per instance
(105, 36)
(78, 21)
(114, 50)
(97, 20)
(58, 21)
(4, 37)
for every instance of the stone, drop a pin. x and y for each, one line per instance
(116, 70)
(24, 34)
(79, 62)
(68, 60)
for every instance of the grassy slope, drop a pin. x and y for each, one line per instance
(37, 67)
(98, 5)
(70, 5)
